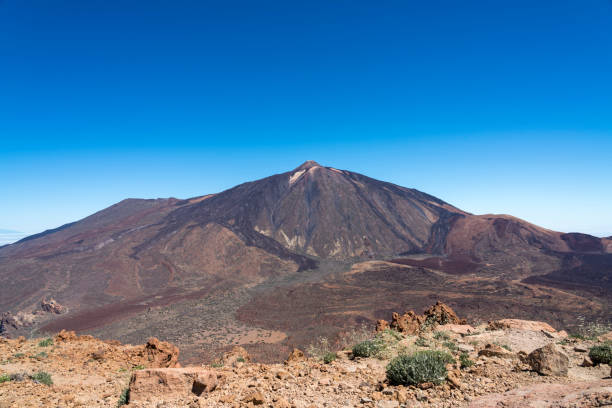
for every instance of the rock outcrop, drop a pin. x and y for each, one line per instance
(549, 360)
(157, 383)
(518, 324)
(51, 306)
(412, 323)
(160, 353)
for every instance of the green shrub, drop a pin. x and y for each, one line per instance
(124, 398)
(450, 345)
(601, 354)
(46, 342)
(19, 355)
(42, 377)
(138, 367)
(441, 335)
(240, 359)
(422, 366)
(464, 360)
(4, 378)
(329, 357)
(421, 342)
(368, 348)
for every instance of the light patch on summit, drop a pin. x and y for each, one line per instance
(336, 170)
(295, 176)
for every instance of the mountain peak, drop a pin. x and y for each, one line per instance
(307, 165)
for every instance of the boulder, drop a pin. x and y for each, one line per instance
(527, 325)
(295, 356)
(409, 323)
(549, 360)
(158, 383)
(51, 306)
(234, 356)
(412, 323)
(441, 313)
(494, 350)
(65, 335)
(381, 325)
(161, 353)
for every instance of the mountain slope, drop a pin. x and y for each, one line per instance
(282, 233)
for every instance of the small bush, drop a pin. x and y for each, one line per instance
(124, 398)
(422, 366)
(601, 354)
(421, 342)
(329, 357)
(319, 349)
(368, 348)
(19, 355)
(46, 342)
(465, 361)
(138, 367)
(240, 359)
(441, 335)
(4, 378)
(40, 355)
(42, 377)
(450, 345)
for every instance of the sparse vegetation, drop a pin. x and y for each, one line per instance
(369, 348)
(240, 359)
(319, 349)
(504, 346)
(450, 345)
(138, 367)
(422, 366)
(441, 335)
(465, 361)
(601, 354)
(19, 355)
(40, 356)
(4, 378)
(124, 398)
(46, 342)
(421, 342)
(42, 377)
(329, 357)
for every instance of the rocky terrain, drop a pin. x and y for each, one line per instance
(503, 363)
(272, 263)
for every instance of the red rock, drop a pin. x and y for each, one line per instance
(161, 353)
(236, 355)
(295, 356)
(157, 383)
(66, 336)
(381, 325)
(51, 306)
(549, 360)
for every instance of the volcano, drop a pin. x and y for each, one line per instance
(270, 262)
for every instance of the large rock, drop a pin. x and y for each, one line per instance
(167, 383)
(295, 356)
(527, 325)
(51, 306)
(441, 313)
(494, 350)
(412, 323)
(549, 360)
(161, 353)
(409, 322)
(236, 355)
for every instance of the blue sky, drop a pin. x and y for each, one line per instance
(493, 106)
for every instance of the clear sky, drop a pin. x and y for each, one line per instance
(493, 106)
